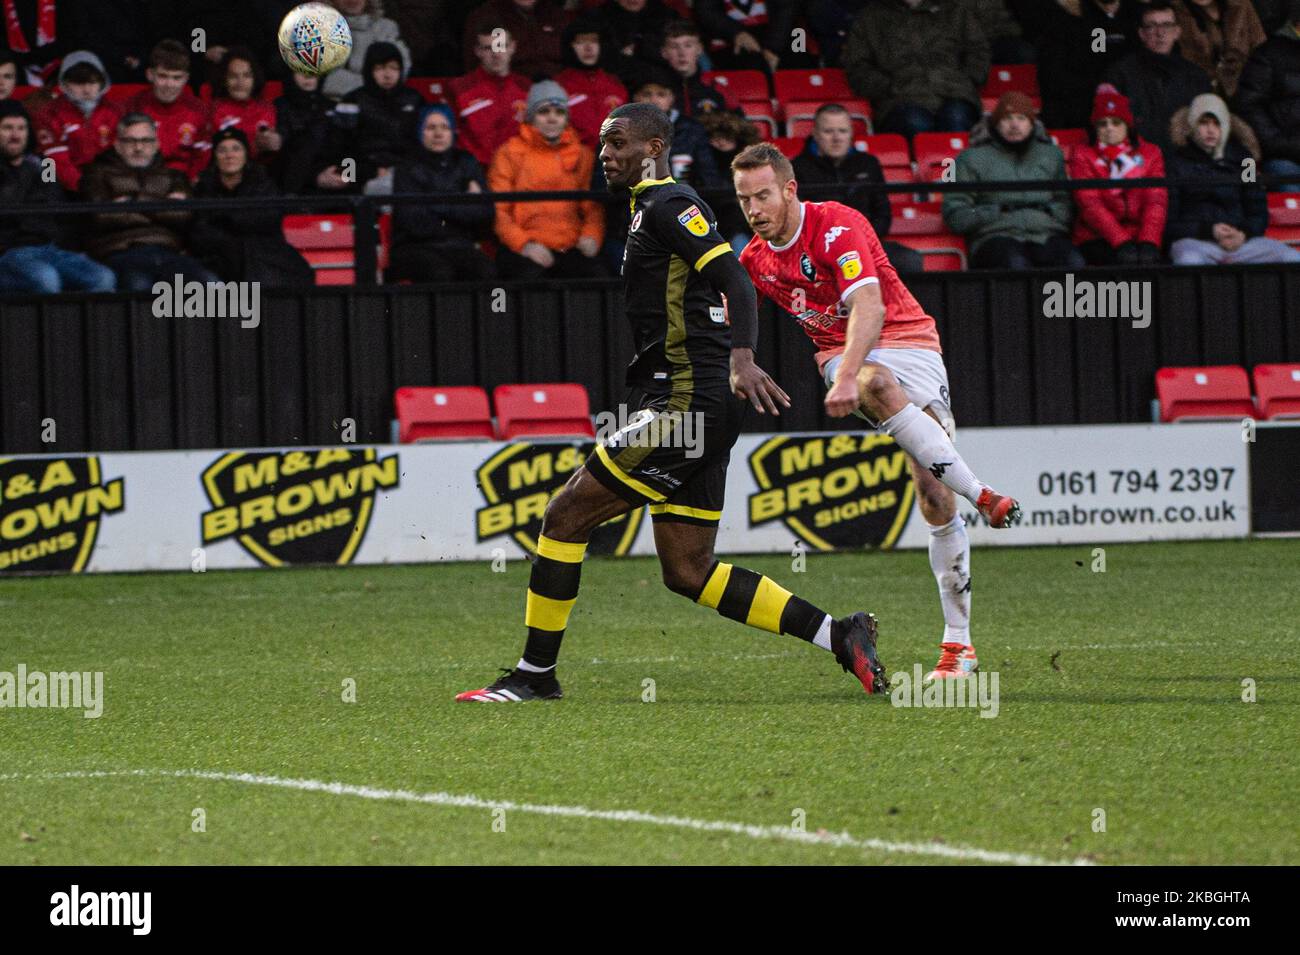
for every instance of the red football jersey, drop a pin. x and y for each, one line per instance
(184, 130)
(834, 252)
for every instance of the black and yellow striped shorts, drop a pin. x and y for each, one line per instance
(673, 452)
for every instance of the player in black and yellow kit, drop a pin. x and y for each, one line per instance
(694, 357)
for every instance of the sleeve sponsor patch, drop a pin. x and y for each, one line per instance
(693, 219)
(850, 265)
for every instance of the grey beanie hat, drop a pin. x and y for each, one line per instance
(1208, 103)
(546, 93)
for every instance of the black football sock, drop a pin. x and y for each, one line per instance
(552, 592)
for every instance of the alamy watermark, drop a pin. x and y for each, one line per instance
(182, 299)
(646, 428)
(1088, 299)
(55, 690)
(979, 690)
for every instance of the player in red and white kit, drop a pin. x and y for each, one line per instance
(878, 353)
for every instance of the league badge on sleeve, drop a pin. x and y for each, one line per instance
(850, 265)
(693, 220)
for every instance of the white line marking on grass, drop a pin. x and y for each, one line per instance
(838, 840)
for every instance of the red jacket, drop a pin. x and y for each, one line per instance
(1119, 215)
(592, 94)
(184, 130)
(248, 116)
(72, 139)
(489, 110)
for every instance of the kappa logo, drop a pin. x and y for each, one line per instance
(296, 507)
(519, 481)
(939, 467)
(832, 234)
(693, 219)
(806, 267)
(50, 513)
(833, 491)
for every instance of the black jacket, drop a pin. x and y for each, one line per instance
(246, 245)
(1068, 68)
(22, 185)
(1157, 87)
(381, 122)
(690, 139)
(811, 168)
(450, 171)
(1218, 196)
(1268, 96)
(311, 138)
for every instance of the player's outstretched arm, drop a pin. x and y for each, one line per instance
(866, 318)
(748, 381)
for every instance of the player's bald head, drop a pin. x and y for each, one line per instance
(644, 121)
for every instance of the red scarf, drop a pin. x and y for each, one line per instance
(44, 26)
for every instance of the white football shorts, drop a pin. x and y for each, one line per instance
(919, 371)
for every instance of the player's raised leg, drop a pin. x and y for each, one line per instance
(691, 569)
(950, 562)
(580, 507)
(921, 436)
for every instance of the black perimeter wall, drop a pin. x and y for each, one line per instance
(114, 377)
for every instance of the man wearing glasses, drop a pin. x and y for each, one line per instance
(141, 247)
(1155, 77)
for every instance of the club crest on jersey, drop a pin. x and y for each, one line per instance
(832, 234)
(636, 222)
(693, 220)
(850, 265)
(806, 267)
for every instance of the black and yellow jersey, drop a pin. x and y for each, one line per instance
(678, 323)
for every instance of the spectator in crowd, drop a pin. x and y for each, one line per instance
(237, 89)
(226, 24)
(593, 90)
(920, 63)
(183, 121)
(382, 114)
(1268, 98)
(746, 35)
(690, 158)
(1001, 22)
(1218, 36)
(31, 259)
(243, 245)
(1219, 219)
(306, 122)
(682, 49)
(1156, 77)
(1118, 226)
(8, 73)
(1012, 230)
(829, 157)
(536, 25)
(79, 125)
(369, 25)
(729, 133)
(1073, 55)
(438, 242)
(1273, 14)
(141, 247)
(560, 238)
(120, 33)
(37, 32)
(829, 21)
(426, 28)
(636, 26)
(490, 102)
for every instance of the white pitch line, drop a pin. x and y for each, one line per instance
(840, 840)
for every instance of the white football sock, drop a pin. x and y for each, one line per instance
(950, 561)
(924, 439)
(823, 638)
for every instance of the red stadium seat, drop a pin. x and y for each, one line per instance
(742, 84)
(1003, 77)
(1214, 391)
(440, 414)
(821, 86)
(799, 116)
(1277, 389)
(760, 111)
(1284, 217)
(551, 410)
(889, 148)
(434, 89)
(327, 243)
(119, 93)
(918, 218)
(940, 251)
(790, 146)
(1067, 139)
(931, 149)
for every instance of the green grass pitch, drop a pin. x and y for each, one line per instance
(1120, 691)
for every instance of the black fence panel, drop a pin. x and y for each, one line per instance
(109, 374)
